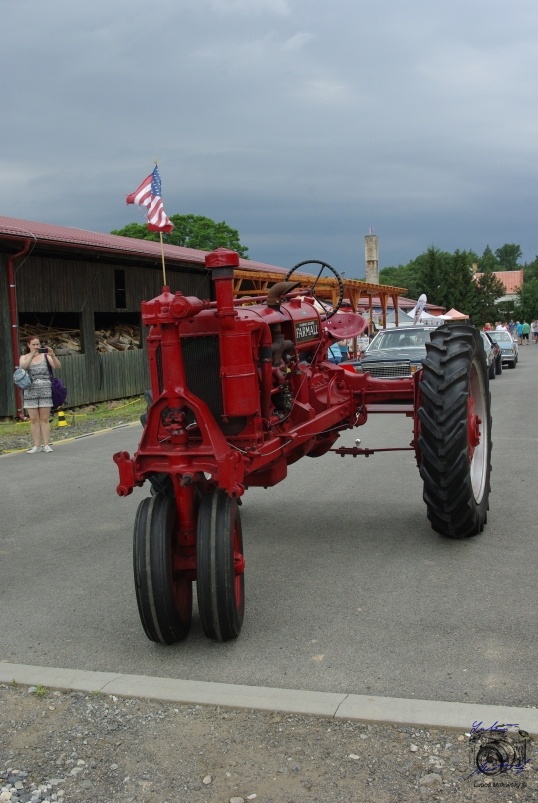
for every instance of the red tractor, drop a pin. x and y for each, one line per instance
(242, 388)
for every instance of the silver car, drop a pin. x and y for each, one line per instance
(509, 347)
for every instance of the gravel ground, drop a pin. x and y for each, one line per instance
(92, 748)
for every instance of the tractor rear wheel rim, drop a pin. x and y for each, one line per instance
(478, 446)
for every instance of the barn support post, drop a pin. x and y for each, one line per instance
(14, 316)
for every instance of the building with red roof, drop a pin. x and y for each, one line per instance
(512, 281)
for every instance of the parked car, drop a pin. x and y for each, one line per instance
(493, 355)
(509, 347)
(498, 355)
(395, 353)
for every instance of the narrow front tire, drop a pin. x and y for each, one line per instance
(163, 590)
(220, 579)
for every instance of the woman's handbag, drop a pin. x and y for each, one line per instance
(59, 390)
(22, 378)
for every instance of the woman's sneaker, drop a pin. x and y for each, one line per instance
(47, 448)
(34, 449)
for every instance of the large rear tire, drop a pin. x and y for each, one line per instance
(163, 591)
(455, 431)
(220, 579)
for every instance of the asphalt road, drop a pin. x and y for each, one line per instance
(348, 588)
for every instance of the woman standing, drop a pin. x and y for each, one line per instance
(38, 397)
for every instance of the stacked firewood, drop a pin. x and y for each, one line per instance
(63, 341)
(119, 337)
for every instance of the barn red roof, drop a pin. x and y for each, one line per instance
(16, 228)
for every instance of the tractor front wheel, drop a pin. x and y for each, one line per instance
(220, 579)
(163, 589)
(455, 431)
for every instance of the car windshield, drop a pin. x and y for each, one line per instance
(398, 339)
(501, 337)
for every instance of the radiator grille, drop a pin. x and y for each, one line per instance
(202, 369)
(388, 370)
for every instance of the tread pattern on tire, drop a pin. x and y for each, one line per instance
(153, 570)
(454, 351)
(220, 614)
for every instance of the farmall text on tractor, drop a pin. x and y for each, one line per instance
(242, 388)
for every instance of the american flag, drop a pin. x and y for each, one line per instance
(149, 194)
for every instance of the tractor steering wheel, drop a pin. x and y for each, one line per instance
(328, 312)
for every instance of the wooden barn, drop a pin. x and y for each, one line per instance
(80, 291)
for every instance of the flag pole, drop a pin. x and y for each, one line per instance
(149, 195)
(162, 245)
(162, 257)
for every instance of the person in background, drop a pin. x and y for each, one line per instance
(334, 354)
(519, 329)
(344, 350)
(534, 331)
(525, 331)
(38, 397)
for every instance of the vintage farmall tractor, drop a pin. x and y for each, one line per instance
(242, 388)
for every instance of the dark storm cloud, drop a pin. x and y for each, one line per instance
(301, 123)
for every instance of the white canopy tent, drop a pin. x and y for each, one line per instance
(430, 320)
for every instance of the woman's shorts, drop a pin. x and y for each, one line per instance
(38, 396)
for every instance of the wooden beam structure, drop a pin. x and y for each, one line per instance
(257, 282)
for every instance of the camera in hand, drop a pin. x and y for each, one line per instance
(42, 350)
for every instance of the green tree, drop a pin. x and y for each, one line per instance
(402, 276)
(508, 256)
(530, 271)
(488, 261)
(527, 309)
(458, 286)
(489, 289)
(507, 311)
(191, 231)
(433, 274)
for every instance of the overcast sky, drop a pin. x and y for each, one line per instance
(301, 123)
